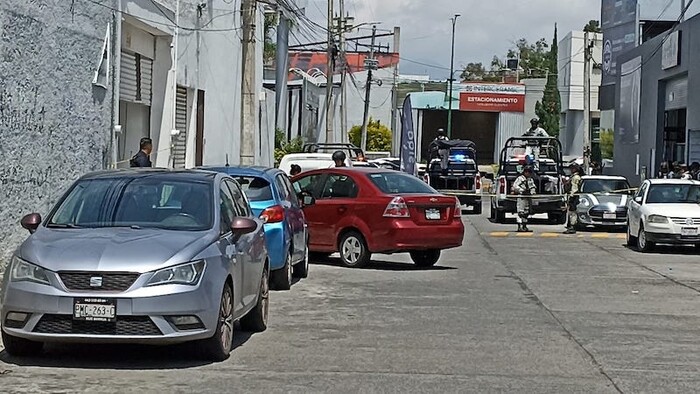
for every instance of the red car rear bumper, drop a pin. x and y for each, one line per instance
(406, 236)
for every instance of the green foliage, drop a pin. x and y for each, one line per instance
(477, 72)
(270, 47)
(378, 136)
(284, 147)
(534, 58)
(549, 110)
(607, 143)
(593, 26)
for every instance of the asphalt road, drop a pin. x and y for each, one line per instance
(537, 313)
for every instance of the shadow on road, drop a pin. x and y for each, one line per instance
(666, 250)
(378, 265)
(530, 221)
(120, 356)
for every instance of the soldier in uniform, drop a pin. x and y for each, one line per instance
(572, 189)
(524, 186)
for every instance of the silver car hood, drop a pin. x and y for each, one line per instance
(605, 199)
(113, 249)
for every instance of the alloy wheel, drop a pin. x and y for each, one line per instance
(352, 250)
(226, 319)
(265, 295)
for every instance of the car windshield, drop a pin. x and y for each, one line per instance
(255, 188)
(604, 186)
(674, 194)
(400, 183)
(153, 202)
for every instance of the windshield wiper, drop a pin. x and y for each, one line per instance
(62, 225)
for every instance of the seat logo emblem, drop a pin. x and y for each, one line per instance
(96, 281)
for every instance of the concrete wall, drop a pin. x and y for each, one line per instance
(54, 124)
(534, 92)
(653, 97)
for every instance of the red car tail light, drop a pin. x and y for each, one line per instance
(273, 214)
(477, 183)
(502, 185)
(397, 208)
(458, 208)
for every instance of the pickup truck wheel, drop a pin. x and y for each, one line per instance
(556, 217)
(492, 212)
(477, 209)
(425, 258)
(500, 216)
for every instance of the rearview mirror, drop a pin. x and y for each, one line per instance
(307, 200)
(241, 226)
(31, 222)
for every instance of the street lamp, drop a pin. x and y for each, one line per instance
(452, 65)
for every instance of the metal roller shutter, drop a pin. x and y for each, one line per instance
(180, 143)
(127, 78)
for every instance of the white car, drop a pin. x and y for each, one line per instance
(308, 161)
(664, 211)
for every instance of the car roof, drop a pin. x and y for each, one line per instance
(148, 172)
(604, 177)
(673, 182)
(308, 156)
(259, 171)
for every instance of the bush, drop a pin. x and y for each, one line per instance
(607, 143)
(379, 137)
(284, 147)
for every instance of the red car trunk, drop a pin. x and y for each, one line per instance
(431, 209)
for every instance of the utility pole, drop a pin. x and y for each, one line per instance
(329, 76)
(282, 69)
(394, 87)
(342, 27)
(586, 103)
(452, 66)
(248, 113)
(370, 64)
(173, 130)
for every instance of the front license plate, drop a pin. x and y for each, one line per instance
(689, 231)
(432, 214)
(609, 215)
(94, 309)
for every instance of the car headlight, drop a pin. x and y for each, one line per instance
(585, 202)
(23, 271)
(183, 274)
(657, 219)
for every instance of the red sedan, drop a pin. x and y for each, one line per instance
(360, 211)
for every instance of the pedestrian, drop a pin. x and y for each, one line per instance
(524, 187)
(684, 173)
(295, 170)
(695, 171)
(663, 170)
(141, 159)
(535, 130)
(361, 157)
(339, 158)
(673, 170)
(573, 187)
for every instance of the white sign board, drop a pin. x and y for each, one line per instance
(670, 52)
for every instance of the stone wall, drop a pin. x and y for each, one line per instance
(54, 123)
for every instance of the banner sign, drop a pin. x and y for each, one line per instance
(492, 97)
(619, 24)
(630, 101)
(408, 139)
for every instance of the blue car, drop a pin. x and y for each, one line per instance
(272, 198)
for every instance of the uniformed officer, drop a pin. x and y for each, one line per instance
(524, 186)
(572, 188)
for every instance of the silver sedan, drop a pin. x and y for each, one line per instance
(139, 256)
(603, 201)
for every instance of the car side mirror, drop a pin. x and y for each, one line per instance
(242, 226)
(31, 222)
(638, 200)
(307, 200)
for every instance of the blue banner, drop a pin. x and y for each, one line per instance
(408, 139)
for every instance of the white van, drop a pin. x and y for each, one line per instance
(308, 161)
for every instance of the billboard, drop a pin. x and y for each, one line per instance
(619, 23)
(630, 100)
(499, 97)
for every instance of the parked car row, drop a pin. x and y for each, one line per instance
(168, 256)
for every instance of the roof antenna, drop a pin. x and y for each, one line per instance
(227, 165)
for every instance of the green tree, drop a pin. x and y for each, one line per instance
(270, 46)
(378, 136)
(534, 58)
(593, 26)
(607, 143)
(477, 72)
(549, 110)
(284, 147)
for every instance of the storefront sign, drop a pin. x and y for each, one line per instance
(670, 54)
(492, 97)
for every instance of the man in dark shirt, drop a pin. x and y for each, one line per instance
(142, 159)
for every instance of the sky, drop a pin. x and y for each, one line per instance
(484, 29)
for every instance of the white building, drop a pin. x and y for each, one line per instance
(571, 76)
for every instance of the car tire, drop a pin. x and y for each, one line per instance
(353, 250)
(256, 319)
(492, 213)
(282, 278)
(20, 347)
(643, 244)
(477, 209)
(556, 217)
(301, 269)
(319, 256)
(631, 239)
(218, 347)
(500, 216)
(425, 258)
